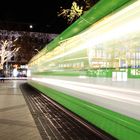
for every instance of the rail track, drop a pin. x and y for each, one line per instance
(57, 123)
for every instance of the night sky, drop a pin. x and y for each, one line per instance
(42, 14)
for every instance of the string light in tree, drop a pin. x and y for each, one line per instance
(71, 14)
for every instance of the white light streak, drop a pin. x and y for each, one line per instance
(98, 90)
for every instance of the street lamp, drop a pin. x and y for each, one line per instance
(36, 50)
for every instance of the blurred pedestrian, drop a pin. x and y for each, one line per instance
(2, 77)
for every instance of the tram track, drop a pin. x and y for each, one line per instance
(57, 123)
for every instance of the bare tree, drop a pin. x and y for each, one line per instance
(7, 50)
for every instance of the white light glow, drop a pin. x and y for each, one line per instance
(31, 26)
(28, 73)
(15, 72)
